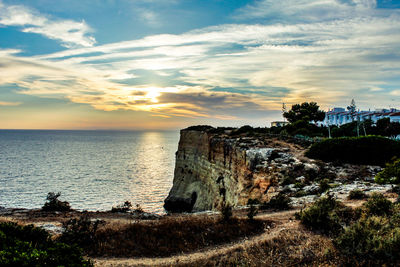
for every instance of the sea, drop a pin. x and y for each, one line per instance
(93, 170)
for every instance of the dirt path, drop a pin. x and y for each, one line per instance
(282, 222)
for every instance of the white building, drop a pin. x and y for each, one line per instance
(395, 117)
(340, 116)
(279, 123)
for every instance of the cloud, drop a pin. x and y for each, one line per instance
(3, 103)
(70, 33)
(289, 11)
(149, 17)
(229, 71)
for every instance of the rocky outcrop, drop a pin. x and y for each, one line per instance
(213, 169)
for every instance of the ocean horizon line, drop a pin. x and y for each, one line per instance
(98, 130)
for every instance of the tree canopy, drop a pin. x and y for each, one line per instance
(306, 112)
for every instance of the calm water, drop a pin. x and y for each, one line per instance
(93, 170)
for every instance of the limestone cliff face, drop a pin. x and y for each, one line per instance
(213, 169)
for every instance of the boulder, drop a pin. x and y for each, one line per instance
(179, 204)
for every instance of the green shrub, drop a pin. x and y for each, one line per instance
(199, 128)
(370, 241)
(391, 174)
(321, 215)
(252, 212)
(80, 231)
(347, 215)
(138, 209)
(298, 185)
(378, 205)
(324, 185)
(357, 194)
(32, 246)
(53, 204)
(279, 202)
(253, 201)
(123, 207)
(395, 189)
(374, 239)
(301, 193)
(242, 130)
(372, 150)
(288, 180)
(226, 212)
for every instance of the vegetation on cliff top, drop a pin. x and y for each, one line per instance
(372, 150)
(302, 118)
(307, 112)
(391, 173)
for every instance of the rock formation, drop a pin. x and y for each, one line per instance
(215, 167)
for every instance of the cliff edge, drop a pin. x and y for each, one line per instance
(219, 166)
(214, 168)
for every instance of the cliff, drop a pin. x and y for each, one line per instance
(215, 167)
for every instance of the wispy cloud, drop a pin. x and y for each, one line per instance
(4, 103)
(70, 33)
(230, 71)
(149, 17)
(289, 11)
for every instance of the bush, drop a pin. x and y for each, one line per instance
(279, 202)
(123, 207)
(324, 186)
(391, 174)
(288, 180)
(242, 130)
(253, 201)
(138, 209)
(370, 241)
(32, 246)
(226, 212)
(395, 189)
(53, 204)
(199, 128)
(378, 205)
(81, 231)
(252, 212)
(372, 150)
(321, 216)
(357, 194)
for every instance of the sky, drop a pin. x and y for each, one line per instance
(168, 64)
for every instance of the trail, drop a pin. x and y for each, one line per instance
(282, 221)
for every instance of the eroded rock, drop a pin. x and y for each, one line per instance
(220, 169)
(214, 169)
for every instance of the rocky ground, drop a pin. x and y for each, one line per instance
(215, 168)
(52, 221)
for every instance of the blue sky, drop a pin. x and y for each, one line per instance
(167, 64)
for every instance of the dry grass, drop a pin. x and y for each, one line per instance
(292, 247)
(3, 220)
(170, 236)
